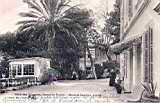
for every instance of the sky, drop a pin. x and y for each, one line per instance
(9, 10)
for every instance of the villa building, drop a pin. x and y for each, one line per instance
(98, 55)
(28, 67)
(139, 46)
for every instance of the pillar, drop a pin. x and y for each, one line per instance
(134, 64)
(22, 69)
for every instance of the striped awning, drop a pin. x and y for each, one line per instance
(127, 43)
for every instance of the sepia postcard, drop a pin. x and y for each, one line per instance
(79, 51)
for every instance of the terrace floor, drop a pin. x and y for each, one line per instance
(68, 91)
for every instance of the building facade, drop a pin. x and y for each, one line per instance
(98, 56)
(139, 46)
(28, 67)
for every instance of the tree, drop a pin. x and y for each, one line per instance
(70, 54)
(4, 64)
(112, 23)
(49, 15)
(85, 44)
(7, 42)
(112, 28)
(110, 33)
(55, 19)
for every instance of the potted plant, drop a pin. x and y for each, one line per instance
(150, 89)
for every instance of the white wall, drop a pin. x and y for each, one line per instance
(39, 65)
(152, 19)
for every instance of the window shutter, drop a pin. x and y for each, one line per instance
(151, 54)
(146, 69)
(148, 56)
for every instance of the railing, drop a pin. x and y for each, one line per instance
(18, 83)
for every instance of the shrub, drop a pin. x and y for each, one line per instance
(45, 77)
(150, 89)
(99, 70)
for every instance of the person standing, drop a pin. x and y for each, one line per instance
(112, 78)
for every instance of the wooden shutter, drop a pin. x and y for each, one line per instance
(148, 56)
(151, 54)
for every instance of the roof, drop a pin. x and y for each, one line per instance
(32, 58)
(122, 45)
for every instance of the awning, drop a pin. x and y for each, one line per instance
(122, 45)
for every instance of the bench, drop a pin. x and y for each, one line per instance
(136, 95)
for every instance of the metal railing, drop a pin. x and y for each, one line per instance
(18, 83)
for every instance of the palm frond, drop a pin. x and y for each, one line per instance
(36, 13)
(70, 9)
(26, 26)
(26, 22)
(30, 15)
(72, 36)
(52, 6)
(35, 6)
(150, 89)
(44, 4)
(62, 5)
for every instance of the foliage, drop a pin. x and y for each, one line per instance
(110, 33)
(112, 23)
(99, 70)
(82, 74)
(111, 65)
(4, 64)
(7, 42)
(53, 28)
(59, 25)
(45, 77)
(150, 89)
(52, 16)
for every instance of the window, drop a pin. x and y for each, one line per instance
(148, 56)
(28, 69)
(14, 66)
(19, 69)
(13, 71)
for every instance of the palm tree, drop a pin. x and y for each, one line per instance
(49, 15)
(52, 17)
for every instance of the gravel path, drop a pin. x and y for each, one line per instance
(79, 91)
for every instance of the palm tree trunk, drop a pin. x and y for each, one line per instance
(50, 37)
(92, 62)
(107, 54)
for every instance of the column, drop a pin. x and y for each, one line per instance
(22, 69)
(10, 71)
(142, 60)
(134, 64)
(130, 67)
(129, 71)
